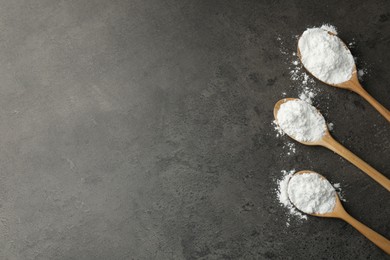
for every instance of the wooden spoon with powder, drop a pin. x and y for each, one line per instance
(312, 194)
(327, 58)
(305, 124)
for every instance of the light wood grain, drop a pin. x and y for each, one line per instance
(330, 143)
(354, 85)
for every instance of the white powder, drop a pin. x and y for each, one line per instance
(329, 28)
(290, 147)
(330, 126)
(325, 55)
(339, 191)
(361, 73)
(282, 196)
(311, 193)
(279, 131)
(307, 95)
(336, 185)
(301, 121)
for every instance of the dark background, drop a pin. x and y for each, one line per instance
(142, 129)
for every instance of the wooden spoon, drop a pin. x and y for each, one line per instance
(330, 143)
(354, 85)
(339, 212)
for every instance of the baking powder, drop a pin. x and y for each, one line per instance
(311, 193)
(325, 56)
(301, 121)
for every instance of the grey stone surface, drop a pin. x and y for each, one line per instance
(142, 129)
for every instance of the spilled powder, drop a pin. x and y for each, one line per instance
(307, 95)
(279, 131)
(339, 191)
(289, 147)
(282, 196)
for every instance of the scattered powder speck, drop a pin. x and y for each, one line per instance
(307, 94)
(330, 126)
(279, 131)
(339, 191)
(361, 73)
(282, 48)
(282, 196)
(363, 70)
(290, 147)
(294, 74)
(305, 79)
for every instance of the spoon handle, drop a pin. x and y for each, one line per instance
(363, 93)
(336, 147)
(379, 240)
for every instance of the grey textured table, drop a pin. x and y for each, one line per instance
(142, 130)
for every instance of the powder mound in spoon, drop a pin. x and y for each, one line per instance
(325, 56)
(301, 121)
(311, 193)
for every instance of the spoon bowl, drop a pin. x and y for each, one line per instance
(276, 110)
(338, 210)
(352, 84)
(329, 142)
(340, 213)
(353, 77)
